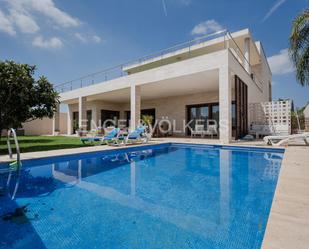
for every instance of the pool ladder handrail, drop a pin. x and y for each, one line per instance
(18, 161)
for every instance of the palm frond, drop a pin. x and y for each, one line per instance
(299, 47)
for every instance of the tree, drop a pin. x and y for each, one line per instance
(22, 97)
(292, 105)
(299, 47)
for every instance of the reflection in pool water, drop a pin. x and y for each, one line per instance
(167, 196)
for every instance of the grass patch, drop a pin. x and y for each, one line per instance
(42, 143)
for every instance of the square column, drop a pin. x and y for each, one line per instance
(69, 121)
(225, 105)
(94, 117)
(56, 120)
(135, 106)
(82, 113)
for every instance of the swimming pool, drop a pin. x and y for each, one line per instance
(155, 196)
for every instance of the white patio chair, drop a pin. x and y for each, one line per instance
(212, 130)
(198, 130)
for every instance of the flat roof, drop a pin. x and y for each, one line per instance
(181, 51)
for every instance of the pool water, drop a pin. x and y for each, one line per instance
(160, 196)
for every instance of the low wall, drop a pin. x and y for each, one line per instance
(45, 126)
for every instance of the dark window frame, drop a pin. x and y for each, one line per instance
(210, 112)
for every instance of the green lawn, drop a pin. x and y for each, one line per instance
(42, 143)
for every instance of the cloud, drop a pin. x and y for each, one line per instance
(80, 37)
(209, 26)
(86, 39)
(6, 25)
(280, 63)
(52, 43)
(31, 16)
(277, 4)
(177, 3)
(164, 7)
(46, 8)
(96, 39)
(24, 22)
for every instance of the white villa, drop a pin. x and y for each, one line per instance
(213, 77)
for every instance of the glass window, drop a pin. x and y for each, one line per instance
(215, 113)
(198, 115)
(111, 116)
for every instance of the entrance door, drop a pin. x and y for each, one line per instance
(241, 103)
(109, 115)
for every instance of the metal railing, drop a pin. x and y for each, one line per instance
(15, 166)
(13, 132)
(185, 47)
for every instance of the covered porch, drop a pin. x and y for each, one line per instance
(176, 106)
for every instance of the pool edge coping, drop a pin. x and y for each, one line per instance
(288, 226)
(102, 148)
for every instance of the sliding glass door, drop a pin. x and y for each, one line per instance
(109, 118)
(198, 114)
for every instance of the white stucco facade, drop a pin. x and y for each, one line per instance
(204, 77)
(306, 116)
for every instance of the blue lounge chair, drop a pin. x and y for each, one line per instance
(84, 140)
(111, 137)
(92, 136)
(137, 136)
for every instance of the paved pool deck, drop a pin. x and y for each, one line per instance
(288, 223)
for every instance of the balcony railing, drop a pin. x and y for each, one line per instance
(118, 71)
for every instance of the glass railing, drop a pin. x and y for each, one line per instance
(118, 71)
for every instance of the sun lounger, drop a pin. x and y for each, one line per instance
(139, 135)
(280, 140)
(111, 137)
(84, 140)
(91, 137)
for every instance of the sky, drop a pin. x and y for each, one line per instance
(67, 39)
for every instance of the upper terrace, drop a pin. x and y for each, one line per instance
(203, 45)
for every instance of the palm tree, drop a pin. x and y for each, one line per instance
(299, 47)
